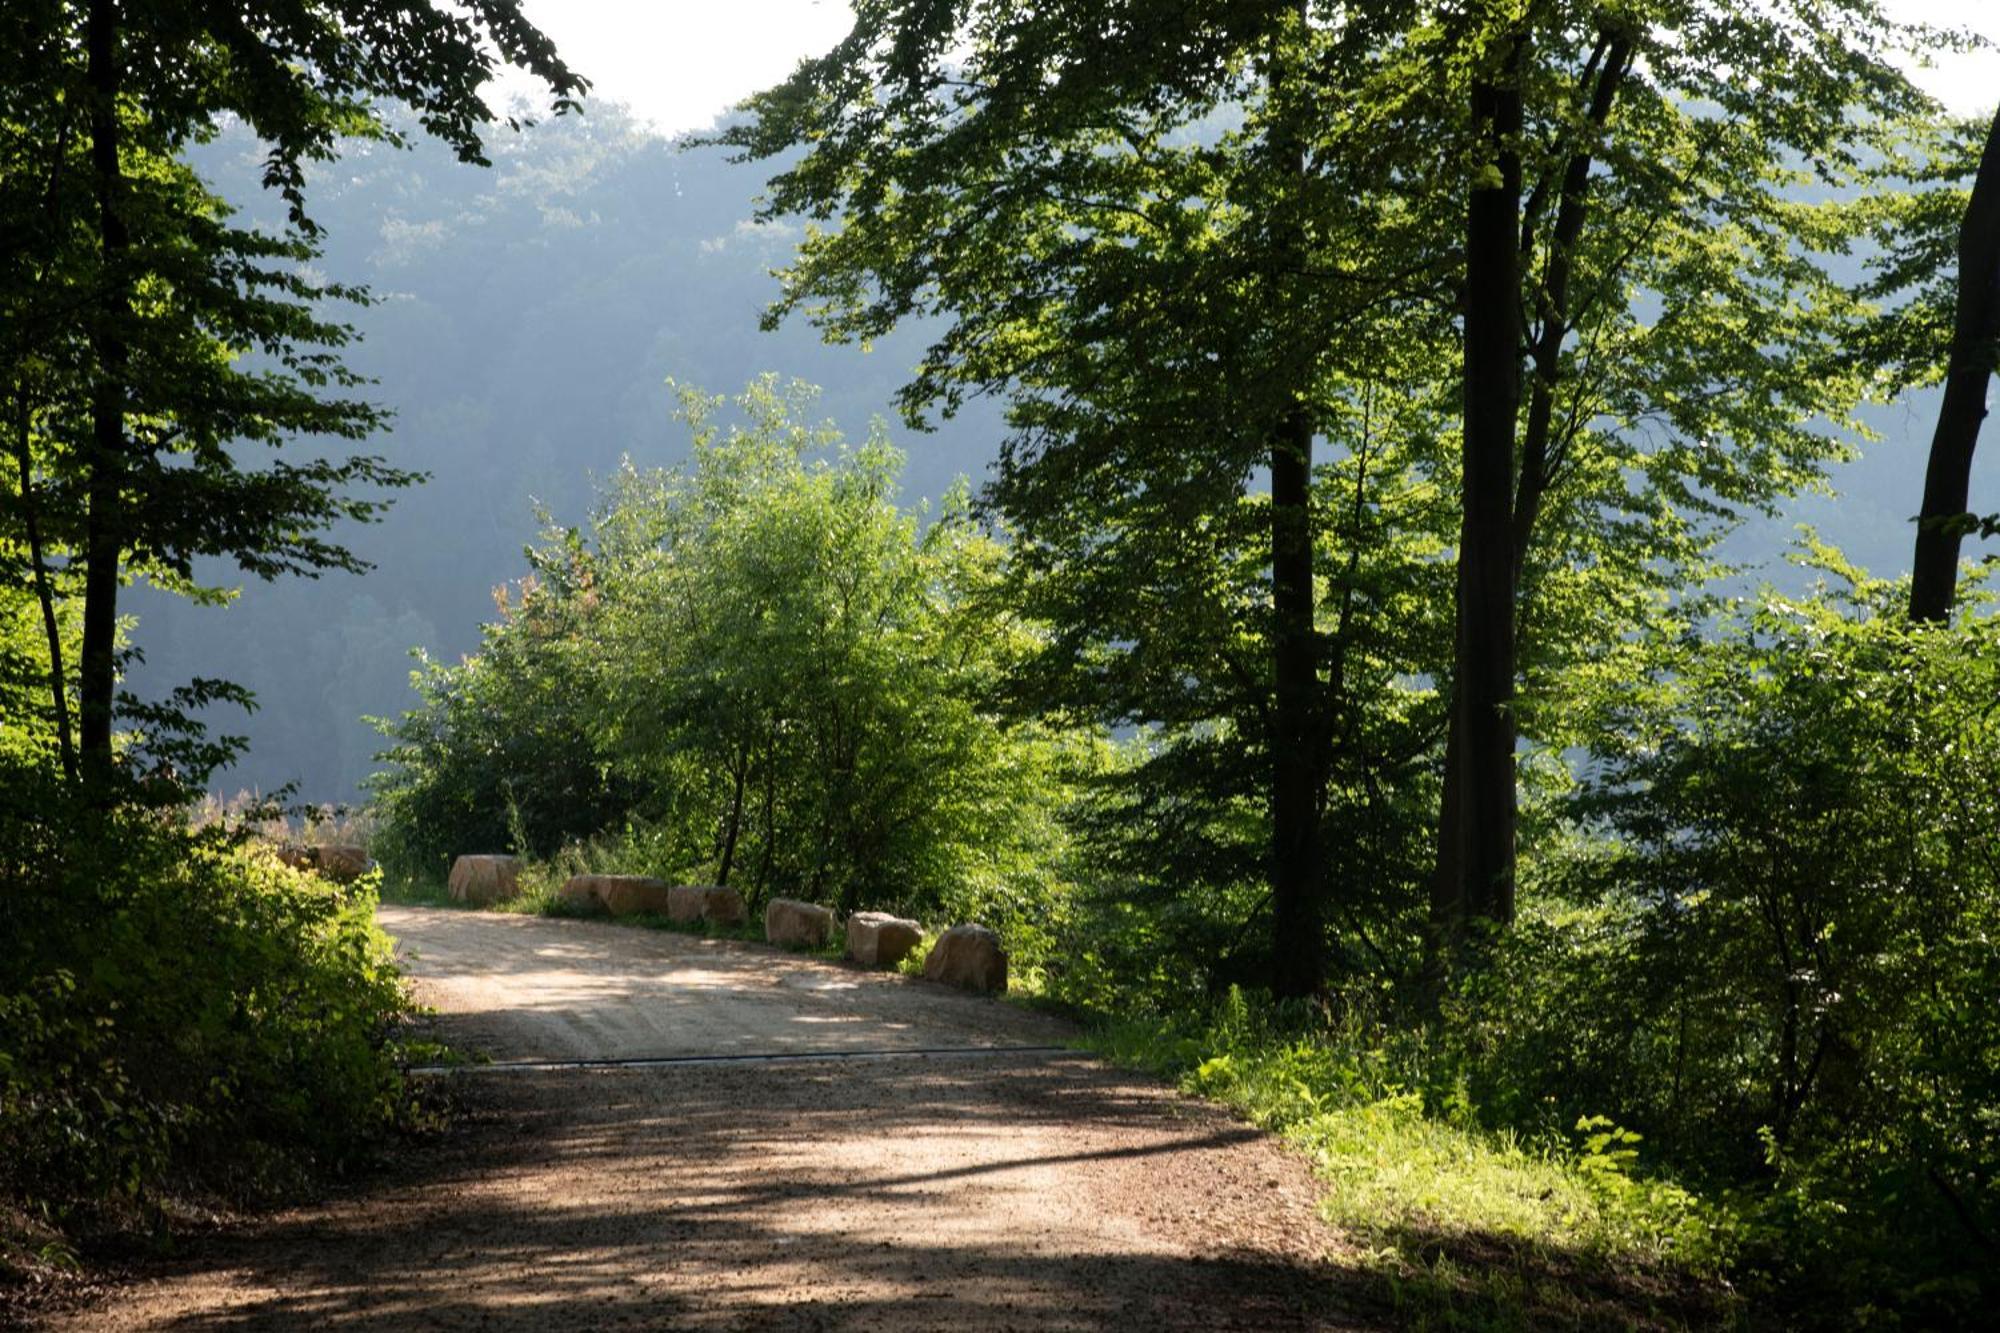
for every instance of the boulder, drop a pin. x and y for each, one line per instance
(342, 863)
(876, 939)
(723, 907)
(969, 957)
(480, 880)
(788, 921)
(622, 895)
(296, 855)
(579, 893)
(706, 902)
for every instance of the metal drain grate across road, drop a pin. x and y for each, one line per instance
(782, 1057)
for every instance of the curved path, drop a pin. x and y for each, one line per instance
(986, 1189)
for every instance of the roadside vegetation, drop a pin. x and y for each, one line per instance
(1707, 1073)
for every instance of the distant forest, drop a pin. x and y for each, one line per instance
(526, 320)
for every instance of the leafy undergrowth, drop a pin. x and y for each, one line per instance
(1464, 1226)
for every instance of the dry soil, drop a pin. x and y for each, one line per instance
(989, 1188)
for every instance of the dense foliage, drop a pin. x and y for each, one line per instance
(179, 1012)
(755, 667)
(1770, 940)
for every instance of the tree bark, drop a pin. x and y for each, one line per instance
(1975, 328)
(1553, 312)
(1298, 871)
(97, 668)
(1475, 862)
(1298, 736)
(735, 822)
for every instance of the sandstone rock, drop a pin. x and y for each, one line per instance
(580, 893)
(877, 939)
(622, 895)
(485, 879)
(296, 855)
(342, 864)
(723, 907)
(969, 957)
(706, 902)
(788, 921)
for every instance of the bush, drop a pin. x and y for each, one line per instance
(177, 1009)
(1772, 942)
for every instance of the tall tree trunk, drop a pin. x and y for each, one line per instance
(1298, 736)
(1453, 897)
(1475, 863)
(97, 669)
(1298, 871)
(44, 592)
(1975, 328)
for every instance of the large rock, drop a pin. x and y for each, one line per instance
(722, 907)
(705, 902)
(788, 921)
(296, 855)
(480, 880)
(969, 957)
(877, 939)
(579, 893)
(342, 863)
(623, 895)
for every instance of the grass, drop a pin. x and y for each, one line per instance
(1463, 1227)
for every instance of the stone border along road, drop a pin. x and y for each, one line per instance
(634, 1162)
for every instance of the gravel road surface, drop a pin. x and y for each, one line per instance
(984, 1190)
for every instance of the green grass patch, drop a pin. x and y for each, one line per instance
(1464, 1226)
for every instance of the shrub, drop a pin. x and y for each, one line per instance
(1772, 942)
(177, 1009)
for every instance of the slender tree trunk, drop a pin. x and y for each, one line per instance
(1475, 863)
(1298, 735)
(1611, 62)
(1975, 328)
(44, 592)
(97, 676)
(735, 823)
(1298, 871)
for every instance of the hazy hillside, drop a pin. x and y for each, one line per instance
(527, 319)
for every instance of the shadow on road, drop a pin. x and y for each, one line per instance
(1027, 1193)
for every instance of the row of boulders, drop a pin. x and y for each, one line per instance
(969, 957)
(626, 895)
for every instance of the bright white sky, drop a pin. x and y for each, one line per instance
(678, 65)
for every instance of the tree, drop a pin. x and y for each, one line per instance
(143, 417)
(1974, 353)
(758, 668)
(1180, 241)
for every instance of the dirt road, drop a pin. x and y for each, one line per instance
(983, 1189)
